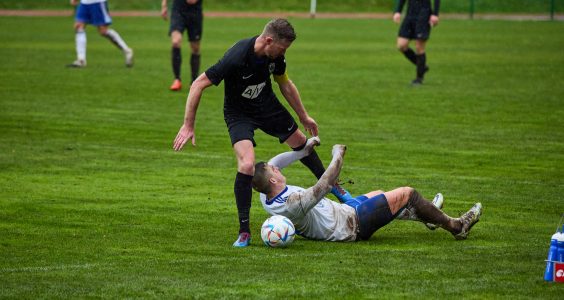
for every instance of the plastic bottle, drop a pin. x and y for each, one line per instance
(552, 257)
(560, 246)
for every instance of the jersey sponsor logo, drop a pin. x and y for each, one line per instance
(253, 91)
(271, 67)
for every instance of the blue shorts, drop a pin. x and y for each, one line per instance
(96, 14)
(373, 213)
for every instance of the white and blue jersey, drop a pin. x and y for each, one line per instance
(94, 12)
(327, 220)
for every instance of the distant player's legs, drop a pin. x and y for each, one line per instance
(245, 154)
(80, 41)
(421, 59)
(403, 47)
(114, 37)
(176, 59)
(195, 59)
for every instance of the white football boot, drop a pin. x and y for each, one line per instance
(438, 203)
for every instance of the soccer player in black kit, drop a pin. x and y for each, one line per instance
(186, 15)
(250, 104)
(416, 26)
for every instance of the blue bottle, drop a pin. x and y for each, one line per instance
(552, 257)
(560, 246)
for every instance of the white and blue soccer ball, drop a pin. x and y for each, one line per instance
(277, 231)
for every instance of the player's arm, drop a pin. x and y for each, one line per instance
(434, 19)
(397, 11)
(283, 160)
(186, 132)
(306, 200)
(73, 2)
(290, 92)
(164, 9)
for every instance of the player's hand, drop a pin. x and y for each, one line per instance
(73, 2)
(434, 20)
(339, 150)
(184, 134)
(312, 142)
(396, 17)
(310, 126)
(164, 12)
(191, 2)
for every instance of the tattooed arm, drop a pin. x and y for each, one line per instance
(283, 160)
(302, 202)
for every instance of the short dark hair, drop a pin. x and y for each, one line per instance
(280, 29)
(261, 178)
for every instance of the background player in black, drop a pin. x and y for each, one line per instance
(250, 104)
(416, 26)
(186, 14)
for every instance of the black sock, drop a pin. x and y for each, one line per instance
(312, 162)
(429, 213)
(176, 62)
(195, 65)
(243, 197)
(410, 54)
(421, 64)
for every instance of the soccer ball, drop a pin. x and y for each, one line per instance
(277, 231)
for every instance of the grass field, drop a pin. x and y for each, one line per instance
(95, 204)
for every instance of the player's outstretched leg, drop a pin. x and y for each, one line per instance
(468, 220)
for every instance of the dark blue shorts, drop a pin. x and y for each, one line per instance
(373, 213)
(96, 14)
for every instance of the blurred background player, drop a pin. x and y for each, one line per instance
(95, 12)
(319, 218)
(250, 104)
(186, 15)
(416, 26)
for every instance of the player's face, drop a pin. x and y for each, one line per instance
(276, 174)
(275, 49)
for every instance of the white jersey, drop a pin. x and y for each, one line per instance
(91, 1)
(327, 220)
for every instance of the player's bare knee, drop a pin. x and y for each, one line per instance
(246, 166)
(406, 194)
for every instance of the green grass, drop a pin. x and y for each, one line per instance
(95, 204)
(451, 6)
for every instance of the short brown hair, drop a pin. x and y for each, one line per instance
(280, 29)
(261, 178)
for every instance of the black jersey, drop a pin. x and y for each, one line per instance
(418, 8)
(182, 5)
(248, 88)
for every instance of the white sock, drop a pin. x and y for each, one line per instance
(116, 39)
(80, 39)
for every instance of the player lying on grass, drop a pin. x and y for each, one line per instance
(319, 218)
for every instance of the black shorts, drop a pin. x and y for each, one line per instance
(278, 122)
(415, 28)
(192, 21)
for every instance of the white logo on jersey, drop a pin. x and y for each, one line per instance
(252, 91)
(271, 68)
